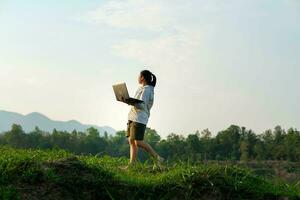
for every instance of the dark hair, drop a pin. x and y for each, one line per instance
(149, 77)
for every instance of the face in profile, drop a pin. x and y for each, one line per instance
(140, 79)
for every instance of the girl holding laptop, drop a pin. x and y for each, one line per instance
(139, 115)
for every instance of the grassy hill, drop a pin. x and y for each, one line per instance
(57, 174)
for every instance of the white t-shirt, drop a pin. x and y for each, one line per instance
(140, 112)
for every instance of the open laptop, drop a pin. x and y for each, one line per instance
(122, 94)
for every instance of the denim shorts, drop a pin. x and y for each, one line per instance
(135, 130)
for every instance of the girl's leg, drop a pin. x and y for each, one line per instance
(146, 147)
(133, 150)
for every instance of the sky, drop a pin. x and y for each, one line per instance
(217, 62)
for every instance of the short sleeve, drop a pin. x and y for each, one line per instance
(145, 96)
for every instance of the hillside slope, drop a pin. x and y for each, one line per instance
(56, 174)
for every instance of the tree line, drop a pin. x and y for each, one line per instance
(234, 143)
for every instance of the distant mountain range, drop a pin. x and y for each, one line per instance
(30, 121)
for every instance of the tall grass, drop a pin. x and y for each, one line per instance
(57, 174)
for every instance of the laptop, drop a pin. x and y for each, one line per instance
(122, 94)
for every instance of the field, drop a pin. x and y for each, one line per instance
(283, 170)
(57, 174)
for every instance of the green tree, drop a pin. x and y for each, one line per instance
(292, 145)
(206, 142)
(193, 147)
(227, 143)
(16, 136)
(151, 137)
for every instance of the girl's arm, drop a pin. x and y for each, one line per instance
(130, 103)
(144, 97)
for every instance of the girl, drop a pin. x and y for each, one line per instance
(139, 115)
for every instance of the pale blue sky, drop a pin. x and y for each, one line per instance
(217, 62)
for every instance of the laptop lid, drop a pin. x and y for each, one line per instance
(121, 91)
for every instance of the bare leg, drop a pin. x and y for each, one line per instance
(146, 147)
(133, 150)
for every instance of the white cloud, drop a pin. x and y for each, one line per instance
(176, 32)
(166, 55)
(174, 52)
(153, 15)
(136, 14)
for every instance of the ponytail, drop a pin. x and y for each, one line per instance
(153, 82)
(149, 77)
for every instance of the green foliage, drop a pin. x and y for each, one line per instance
(234, 143)
(8, 193)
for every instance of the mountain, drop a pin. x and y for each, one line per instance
(28, 122)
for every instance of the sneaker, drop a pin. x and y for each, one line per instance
(127, 167)
(160, 159)
(124, 168)
(159, 164)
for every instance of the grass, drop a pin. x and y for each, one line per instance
(57, 174)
